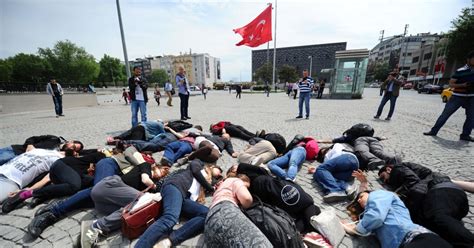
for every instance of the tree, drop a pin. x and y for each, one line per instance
(461, 37)
(159, 76)
(70, 63)
(381, 71)
(27, 68)
(287, 73)
(111, 70)
(265, 73)
(5, 70)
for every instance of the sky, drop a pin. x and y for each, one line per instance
(157, 27)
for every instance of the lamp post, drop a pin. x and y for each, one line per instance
(124, 46)
(310, 65)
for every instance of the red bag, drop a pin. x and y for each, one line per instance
(135, 223)
(217, 128)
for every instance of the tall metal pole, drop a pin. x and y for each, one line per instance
(127, 66)
(274, 47)
(310, 65)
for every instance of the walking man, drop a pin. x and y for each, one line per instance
(322, 84)
(238, 89)
(138, 95)
(183, 89)
(204, 90)
(56, 91)
(462, 83)
(392, 90)
(305, 85)
(169, 93)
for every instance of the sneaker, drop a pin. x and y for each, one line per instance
(376, 117)
(466, 138)
(316, 240)
(47, 208)
(334, 197)
(256, 161)
(41, 222)
(187, 117)
(89, 234)
(352, 191)
(35, 202)
(181, 161)
(429, 133)
(299, 117)
(164, 243)
(375, 165)
(12, 202)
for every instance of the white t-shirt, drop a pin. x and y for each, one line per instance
(200, 139)
(25, 167)
(196, 187)
(139, 93)
(336, 151)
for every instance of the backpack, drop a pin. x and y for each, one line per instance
(359, 130)
(179, 125)
(277, 141)
(295, 141)
(276, 224)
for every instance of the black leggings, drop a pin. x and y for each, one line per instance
(238, 132)
(135, 133)
(425, 240)
(184, 105)
(65, 181)
(303, 221)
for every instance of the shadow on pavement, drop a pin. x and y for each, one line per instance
(450, 144)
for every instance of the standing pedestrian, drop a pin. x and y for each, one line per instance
(322, 84)
(183, 89)
(238, 89)
(157, 94)
(305, 85)
(392, 89)
(204, 90)
(169, 93)
(138, 86)
(288, 89)
(295, 90)
(462, 83)
(125, 96)
(56, 91)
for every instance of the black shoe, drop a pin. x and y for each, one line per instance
(429, 133)
(41, 222)
(12, 202)
(47, 208)
(183, 118)
(307, 117)
(35, 202)
(61, 115)
(466, 138)
(376, 117)
(187, 117)
(299, 117)
(388, 118)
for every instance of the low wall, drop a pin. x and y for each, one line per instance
(16, 103)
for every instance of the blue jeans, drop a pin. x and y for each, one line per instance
(333, 174)
(291, 160)
(135, 105)
(304, 97)
(58, 104)
(454, 103)
(173, 206)
(82, 199)
(387, 97)
(176, 150)
(158, 143)
(6, 154)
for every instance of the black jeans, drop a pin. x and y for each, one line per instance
(65, 181)
(443, 211)
(134, 133)
(238, 132)
(184, 105)
(320, 92)
(425, 240)
(238, 94)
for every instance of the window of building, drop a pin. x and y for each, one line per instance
(415, 59)
(412, 72)
(427, 56)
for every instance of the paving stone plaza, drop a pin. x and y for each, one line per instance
(414, 114)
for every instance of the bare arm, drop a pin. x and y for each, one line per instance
(362, 178)
(147, 180)
(42, 182)
(244, 197)
(325, 141)
(178, 135)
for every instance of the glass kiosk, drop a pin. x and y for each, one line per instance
(348, 77)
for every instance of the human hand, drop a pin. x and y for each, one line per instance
(235, 154)
(360, 176)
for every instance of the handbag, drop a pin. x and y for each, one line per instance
(135, 220)
(328, 224)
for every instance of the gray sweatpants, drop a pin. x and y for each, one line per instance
(110, 195)
(263, 149)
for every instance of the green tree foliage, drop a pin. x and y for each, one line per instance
(70, 63)
(265, 73)
(381, 71)
(111, 70)
(28, 68)
(287, 73)
(461, 38)
(159, 76)
(5, 70)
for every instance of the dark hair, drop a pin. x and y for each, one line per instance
(470, 55)
(384, 168)
(322, 152)
(136, 67)
(79, 143)
(354, 208)
(198, 127)
(305, 70)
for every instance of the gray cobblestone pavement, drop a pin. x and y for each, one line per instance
(329, 118)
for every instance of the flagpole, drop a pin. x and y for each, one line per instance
(274, 47)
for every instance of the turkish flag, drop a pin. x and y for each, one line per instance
(258, 31)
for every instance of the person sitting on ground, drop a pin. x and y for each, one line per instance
(145, 131)
(17, 173)
(113, 193)
(333, 175)
(48, 142)
(433, 199)
(259, 151)
(226, 225)
(180, 193)
(67, 176)
(385, 215)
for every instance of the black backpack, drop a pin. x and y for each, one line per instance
(359, 130)
(276, 224)
(179, 125)
(277, 141)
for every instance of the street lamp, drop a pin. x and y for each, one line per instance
(310, 65)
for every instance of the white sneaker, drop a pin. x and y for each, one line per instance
(164, 243)
(89, 234)
(334, 197)
(352, 191)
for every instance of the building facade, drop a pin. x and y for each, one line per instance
(144, 65)
(322, 56)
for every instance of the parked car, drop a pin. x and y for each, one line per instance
(194, 88)
(408, 86)
(374, 85)
(430, 89)
(446, 94)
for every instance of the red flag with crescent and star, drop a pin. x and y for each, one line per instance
(258, 31)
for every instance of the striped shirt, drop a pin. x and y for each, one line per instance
(462, 75)
(307, 86)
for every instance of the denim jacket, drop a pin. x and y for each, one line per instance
(152, 128)
(386, 216)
